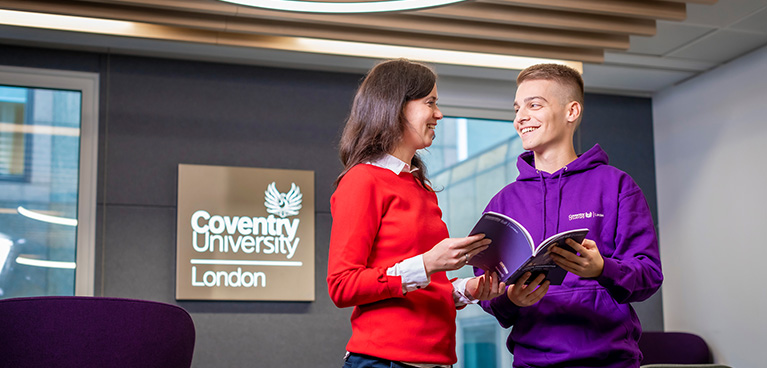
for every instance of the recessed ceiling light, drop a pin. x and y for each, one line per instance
(343, 7)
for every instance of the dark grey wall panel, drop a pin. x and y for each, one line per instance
(138, 253)
(623, 128)
(53, 59)
(166, 112)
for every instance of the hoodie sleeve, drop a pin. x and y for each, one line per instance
(503, 309)
(633, 272)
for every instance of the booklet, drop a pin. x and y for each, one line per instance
(512, 251)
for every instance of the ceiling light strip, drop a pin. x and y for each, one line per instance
(39, 129)
(347, 48)
(65, 22)
(45, 264)
(5, 250)
(46, 218)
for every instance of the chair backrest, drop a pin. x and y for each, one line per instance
(86, 332)
(673, 348)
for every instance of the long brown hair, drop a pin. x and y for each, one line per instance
(376, 123)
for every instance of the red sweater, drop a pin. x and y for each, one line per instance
(381, 218)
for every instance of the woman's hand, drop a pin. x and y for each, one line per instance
(526, 295)
(485, 287)
(453, 253)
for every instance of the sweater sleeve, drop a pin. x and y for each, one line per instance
(633, 272)
(357, 208)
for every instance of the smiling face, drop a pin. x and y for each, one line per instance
(544, 118)
(421, 117)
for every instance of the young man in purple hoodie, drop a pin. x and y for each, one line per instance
(587, 321)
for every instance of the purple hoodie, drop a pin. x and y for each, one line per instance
(585, 322)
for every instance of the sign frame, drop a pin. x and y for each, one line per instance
(245, 234)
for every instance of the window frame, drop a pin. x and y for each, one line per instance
(88, 85)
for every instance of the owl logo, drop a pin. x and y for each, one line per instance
(283, 204)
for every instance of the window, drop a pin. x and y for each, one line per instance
(470, 161)
(13, 103)
(48, 138)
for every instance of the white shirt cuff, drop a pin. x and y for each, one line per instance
(460, 295)
(413, 273)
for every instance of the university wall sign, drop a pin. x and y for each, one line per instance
(244, 234)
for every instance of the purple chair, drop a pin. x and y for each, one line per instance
(673, 348)
(84, 332)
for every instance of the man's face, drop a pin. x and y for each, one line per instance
(541, 115)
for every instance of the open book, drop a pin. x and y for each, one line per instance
(512, 252)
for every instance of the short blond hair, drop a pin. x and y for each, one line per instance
(562, 74)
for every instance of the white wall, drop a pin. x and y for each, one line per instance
(711, 162)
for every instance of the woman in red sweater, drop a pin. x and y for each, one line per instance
(389, 248)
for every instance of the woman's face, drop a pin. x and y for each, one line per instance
(421, 117)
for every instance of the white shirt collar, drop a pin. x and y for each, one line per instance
(392, 163)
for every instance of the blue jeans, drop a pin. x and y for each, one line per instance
(365, 361)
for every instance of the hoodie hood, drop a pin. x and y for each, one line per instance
(552, 182)
(587, 161)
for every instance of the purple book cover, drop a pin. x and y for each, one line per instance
(512, 252)
(511, 246)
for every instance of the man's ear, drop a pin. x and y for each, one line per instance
(574, 111)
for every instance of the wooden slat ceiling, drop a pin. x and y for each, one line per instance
(578, 30)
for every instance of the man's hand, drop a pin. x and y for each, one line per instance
(526, 295)
(587, 263)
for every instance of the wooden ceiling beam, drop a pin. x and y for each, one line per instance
(201, 6)
(104, 11)
(646, 9)
(429, 41)
(491, 14)
(570, 29)
(704, 2)
(478, 12)
(402, 22)
(239, 29)
(390, 22)
(502, 14)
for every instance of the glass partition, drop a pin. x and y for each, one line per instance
(470, 161)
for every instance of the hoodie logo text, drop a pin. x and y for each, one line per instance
(584, 215)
